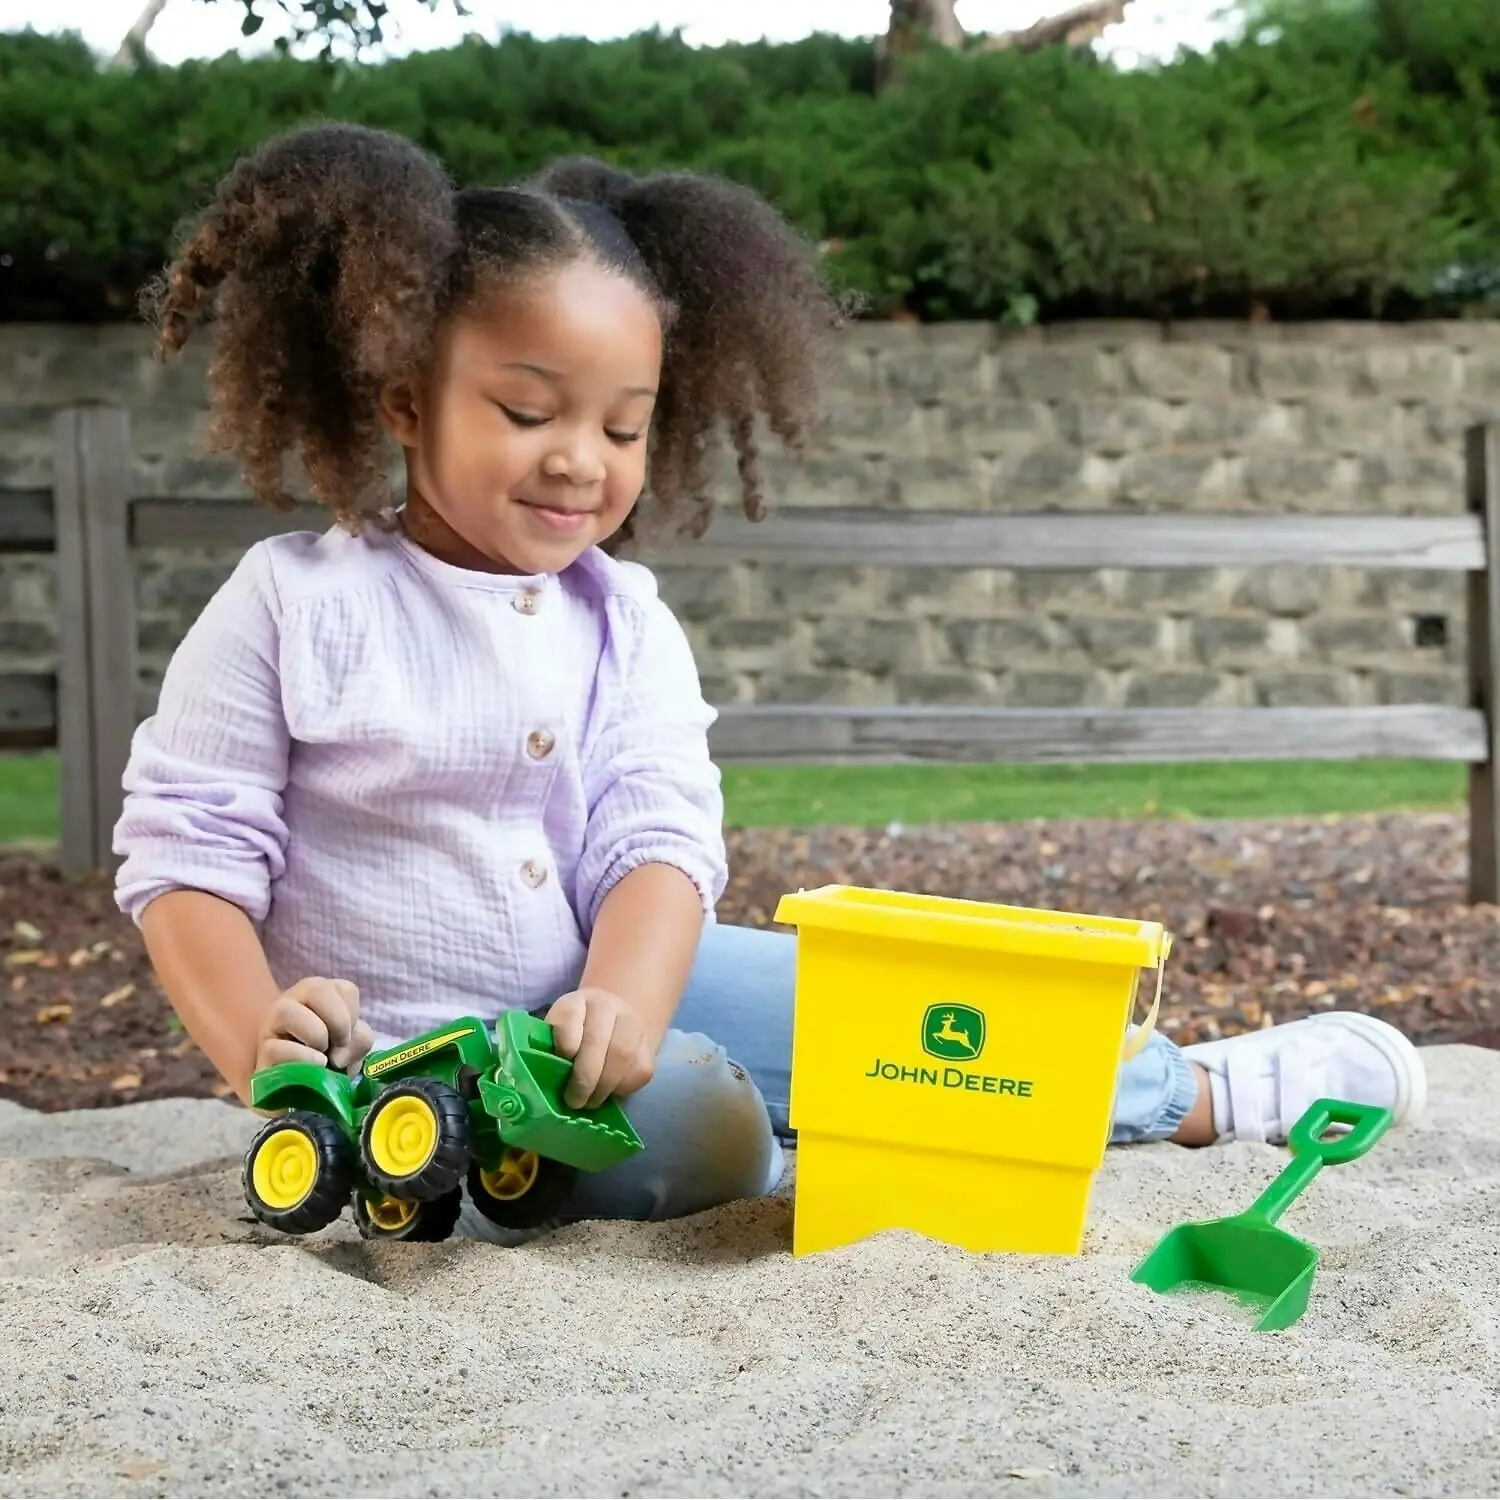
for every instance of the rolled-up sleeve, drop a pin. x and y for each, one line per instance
(654, 793)
(207, 771)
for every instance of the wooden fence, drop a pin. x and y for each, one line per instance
(93, 522)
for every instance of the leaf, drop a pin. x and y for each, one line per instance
(79, 957)
(1029, 1473)
(126, 1081)
(114, 997)
(251, 24)
(140, 1468)
(49, 1014)
(26, 956)
(28, 932)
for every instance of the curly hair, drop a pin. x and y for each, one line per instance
(329, 258)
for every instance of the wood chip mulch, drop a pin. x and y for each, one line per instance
(1273, 921)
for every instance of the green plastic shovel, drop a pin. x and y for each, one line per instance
(1246, 1255)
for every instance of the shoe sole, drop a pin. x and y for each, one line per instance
(1406, 1062)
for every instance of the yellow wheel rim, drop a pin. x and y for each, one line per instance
(514, 1177)
(403, 1135)
(390, 1214)
(285, 1169)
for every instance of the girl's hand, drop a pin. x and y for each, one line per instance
(316, 1021)
(611, 1051)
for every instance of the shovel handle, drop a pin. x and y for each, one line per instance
(1310, 1153)
(1367, 1123)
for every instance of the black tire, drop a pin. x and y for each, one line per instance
(443, 1168)
(332, 1177)
(430, 1222)
(531, 1208)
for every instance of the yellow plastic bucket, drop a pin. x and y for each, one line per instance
(954, 1065)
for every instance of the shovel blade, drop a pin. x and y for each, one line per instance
(1260, 1266)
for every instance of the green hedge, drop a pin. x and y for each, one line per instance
(1344, 162)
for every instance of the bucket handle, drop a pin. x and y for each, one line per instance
(1137, 1039)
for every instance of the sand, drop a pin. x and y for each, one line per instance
(155, 1342)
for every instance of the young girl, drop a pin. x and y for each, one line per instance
(450, 756)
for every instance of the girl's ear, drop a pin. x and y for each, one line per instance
(398, 413)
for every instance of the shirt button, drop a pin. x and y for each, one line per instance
(527, 602)
(533, 873)
(539, 744)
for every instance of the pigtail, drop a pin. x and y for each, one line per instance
(748, 321)
(322, 262)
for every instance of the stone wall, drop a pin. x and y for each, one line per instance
(1197, 417)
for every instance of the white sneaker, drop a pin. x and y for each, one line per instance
(1263, 1081)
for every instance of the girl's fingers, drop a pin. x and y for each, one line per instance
(360, 1043)
(293, 1019)
(567, 1019)
(276, 1050)
(589, 1064)
(328, 1001)
(640, 1072)
(617, 1067)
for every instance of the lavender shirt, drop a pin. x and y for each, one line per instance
(421, 778)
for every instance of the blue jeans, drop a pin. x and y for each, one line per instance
(741, 992)
(714, 1117)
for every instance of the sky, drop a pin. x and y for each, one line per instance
(207, 28)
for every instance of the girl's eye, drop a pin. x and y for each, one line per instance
(623, 437)
(523, 419)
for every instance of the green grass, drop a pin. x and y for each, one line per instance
(933, 794)
(877, 795)
(28, 798)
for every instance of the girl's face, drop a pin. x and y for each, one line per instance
(528, 444)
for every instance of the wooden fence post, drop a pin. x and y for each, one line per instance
(1482, 486)
(96, 711)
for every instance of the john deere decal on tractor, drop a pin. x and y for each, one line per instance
(455, 1105)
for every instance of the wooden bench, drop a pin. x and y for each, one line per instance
(88, 707)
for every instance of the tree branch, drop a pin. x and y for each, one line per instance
(1073, 28)
(914, 23)
(133, 48)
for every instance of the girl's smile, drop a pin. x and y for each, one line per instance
(568, 522)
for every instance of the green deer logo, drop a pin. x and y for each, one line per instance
(953, 1032)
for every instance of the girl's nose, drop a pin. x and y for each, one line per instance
(575, 465)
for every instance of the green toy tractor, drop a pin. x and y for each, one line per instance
(455, 1106)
